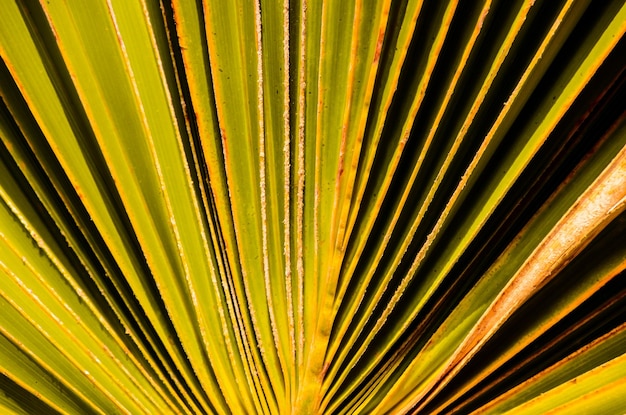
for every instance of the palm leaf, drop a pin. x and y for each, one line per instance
(312, 207)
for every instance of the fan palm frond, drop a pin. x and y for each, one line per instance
(312, 207)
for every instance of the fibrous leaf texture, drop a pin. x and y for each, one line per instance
(302, 207)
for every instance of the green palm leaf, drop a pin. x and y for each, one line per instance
(312, 207)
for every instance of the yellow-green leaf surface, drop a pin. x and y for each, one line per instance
(302, 207)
